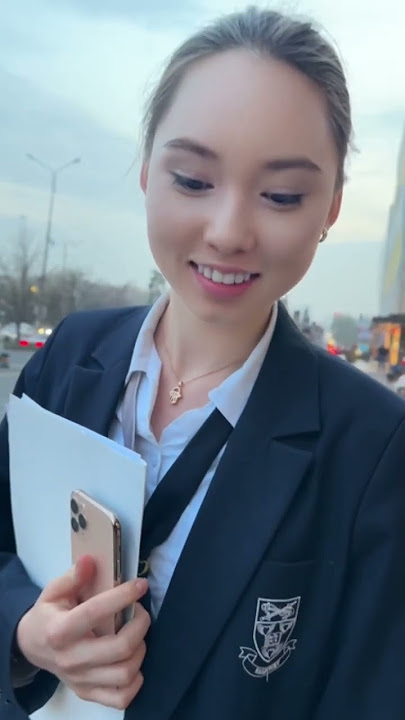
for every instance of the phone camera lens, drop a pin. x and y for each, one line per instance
(75, 525)
(74, 506)
(82, 521)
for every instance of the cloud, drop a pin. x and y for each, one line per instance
(101, 65)
(98, 210)
(37, 122)
(158, 12)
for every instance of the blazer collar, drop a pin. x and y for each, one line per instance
(96, 386)
(118, 342)
(286, 391)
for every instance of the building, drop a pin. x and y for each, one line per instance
(388, 329)
(392, 297)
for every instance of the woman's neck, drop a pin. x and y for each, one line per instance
(196, 346)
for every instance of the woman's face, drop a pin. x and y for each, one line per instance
(240, 184)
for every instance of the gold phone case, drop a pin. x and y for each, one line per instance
(96, 531)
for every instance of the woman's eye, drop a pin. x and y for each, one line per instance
(190, 184)
(284, 199)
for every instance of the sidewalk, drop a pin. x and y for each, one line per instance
(371, 369)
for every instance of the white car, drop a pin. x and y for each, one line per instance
(9, 331)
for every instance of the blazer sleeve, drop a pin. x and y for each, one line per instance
(17, 592)
(366, 676)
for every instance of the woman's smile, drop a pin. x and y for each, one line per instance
(223, 284)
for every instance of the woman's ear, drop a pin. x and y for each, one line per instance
(143, 180)
(335, 209)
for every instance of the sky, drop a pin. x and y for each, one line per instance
(74, 75)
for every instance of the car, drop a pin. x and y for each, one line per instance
(29, 337)
(35, 340)
(8, 333)
(32, 342)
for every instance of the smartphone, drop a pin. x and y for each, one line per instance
(96, 531)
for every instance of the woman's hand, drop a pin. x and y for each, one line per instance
(56, 635)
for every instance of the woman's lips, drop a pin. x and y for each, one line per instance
(222, 290)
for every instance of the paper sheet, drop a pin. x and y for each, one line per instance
(49, 457)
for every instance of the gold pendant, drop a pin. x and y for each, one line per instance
(176, 394)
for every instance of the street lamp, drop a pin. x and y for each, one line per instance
(48, 234)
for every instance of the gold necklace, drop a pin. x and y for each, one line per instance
(175, 393)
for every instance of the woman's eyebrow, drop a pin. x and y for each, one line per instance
(291, 163)
(274, 165)
(192, 146)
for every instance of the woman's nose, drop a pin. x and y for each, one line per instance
(229, 229)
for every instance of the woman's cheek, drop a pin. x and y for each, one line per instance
(295, 247)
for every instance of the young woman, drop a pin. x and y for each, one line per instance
(276, 587)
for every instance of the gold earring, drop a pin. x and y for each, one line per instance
(324, 235)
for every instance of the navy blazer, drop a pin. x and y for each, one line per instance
(288, 600)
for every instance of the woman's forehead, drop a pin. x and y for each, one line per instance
(238, 96)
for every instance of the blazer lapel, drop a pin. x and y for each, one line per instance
(95, 388)
(256, 481)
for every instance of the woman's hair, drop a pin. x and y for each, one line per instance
(295, 42)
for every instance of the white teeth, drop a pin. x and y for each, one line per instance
(223, 278)
(217, 277)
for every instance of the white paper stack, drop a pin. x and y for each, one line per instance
(49, 458)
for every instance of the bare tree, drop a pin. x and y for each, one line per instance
(157, 285)
(18, 282)
(66, 290)
(344, 330)
(62, 294)
(101, 295)
(70, 290)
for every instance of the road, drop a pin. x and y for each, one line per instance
(8, 377)
(372, 370)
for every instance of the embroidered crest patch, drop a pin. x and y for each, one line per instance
(274, 623)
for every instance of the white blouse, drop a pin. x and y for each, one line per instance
(229, 398)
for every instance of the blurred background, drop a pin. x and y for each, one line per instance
(74, 75)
